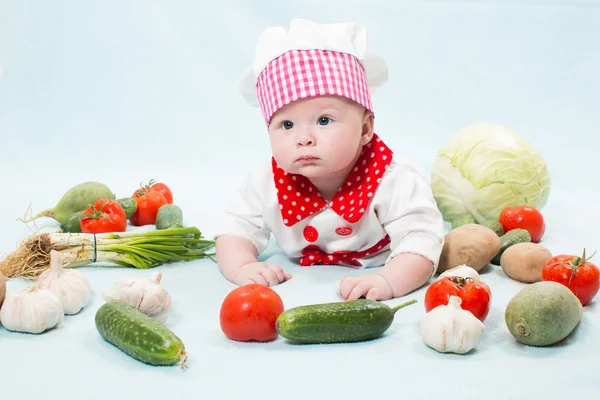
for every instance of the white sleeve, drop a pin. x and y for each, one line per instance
(244, 217)
(410, 216)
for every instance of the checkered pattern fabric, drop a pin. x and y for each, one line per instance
(299, 74)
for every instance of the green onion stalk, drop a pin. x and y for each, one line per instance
(136, 249)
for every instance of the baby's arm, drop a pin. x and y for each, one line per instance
(416, 228)
(243, 236)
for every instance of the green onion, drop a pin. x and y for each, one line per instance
(136, 249)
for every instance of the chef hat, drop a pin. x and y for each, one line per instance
(312, 60)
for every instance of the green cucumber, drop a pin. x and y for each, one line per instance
(495, 226)
(139, 335)
(463, 219)
(169, 216)
(72, 224)
(348, 321)
(129, 205)
(510, 238)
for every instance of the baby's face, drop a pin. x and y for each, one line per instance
(318, 136)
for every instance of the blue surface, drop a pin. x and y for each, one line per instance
(125, 91)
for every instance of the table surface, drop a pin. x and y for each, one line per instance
(124, 91)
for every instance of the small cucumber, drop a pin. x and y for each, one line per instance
(129, 205)
(510, 238)
(139, 335)
(495, 226)
(72, 223)
(463, 219)
(349, 321)
(169, 216)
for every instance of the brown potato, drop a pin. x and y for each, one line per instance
(523, 262)
(2, 288)
(470, 244)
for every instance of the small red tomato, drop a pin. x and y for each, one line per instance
(152, 186)
(147, 207)
(105, 216)
(576, 273)
(249, 312)
(523, 217)
(475, 296)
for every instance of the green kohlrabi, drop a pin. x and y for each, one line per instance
(485, 168)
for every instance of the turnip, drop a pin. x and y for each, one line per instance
(76, 199)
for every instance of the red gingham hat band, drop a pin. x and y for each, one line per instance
(298, 74)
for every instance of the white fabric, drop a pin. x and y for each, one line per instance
(402, 207)
(304, 35)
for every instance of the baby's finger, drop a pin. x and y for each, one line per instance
(373, 294)
(259, 279)
(270, 276)
(287, 276)
(359, 290)
(278, 271)
(346, 286)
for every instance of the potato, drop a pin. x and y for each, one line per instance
(2, 288)
(523, 262)
(470, 244)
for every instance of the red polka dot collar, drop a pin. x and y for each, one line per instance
(299, 198)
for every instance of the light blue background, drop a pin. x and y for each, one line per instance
(125, 91)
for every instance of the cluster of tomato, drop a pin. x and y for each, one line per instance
(107, 215)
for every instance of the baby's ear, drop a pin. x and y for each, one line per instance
(368, 127)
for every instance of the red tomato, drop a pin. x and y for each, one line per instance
(576, 273)
(249, 312)
(105, 216)
(147, 207)
(523, 217)
(476, 296)
(157, 187)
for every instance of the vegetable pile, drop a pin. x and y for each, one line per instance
(94, 229)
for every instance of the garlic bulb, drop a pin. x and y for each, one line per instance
(464, 271)
(145, 295)
(31, 310)
(70, 286)
(450, 329)
(2, 288)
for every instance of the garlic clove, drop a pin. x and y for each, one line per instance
(145, 295)
(31, 310)
(70, 286)
(450, 329)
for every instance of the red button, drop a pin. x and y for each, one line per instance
(311, 234)
(343, 231)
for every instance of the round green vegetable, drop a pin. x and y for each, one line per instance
(78, 198)
(486, 167)
(139, 335)
(543, 313)
(129, 205)
(169, 216)
(72, 224)
(494, 225)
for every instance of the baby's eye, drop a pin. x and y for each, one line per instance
(287, 125)
(324, 120)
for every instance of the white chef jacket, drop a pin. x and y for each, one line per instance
(383, 196)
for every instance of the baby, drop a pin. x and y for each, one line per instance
(333, 192)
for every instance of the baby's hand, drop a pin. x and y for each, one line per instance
(371, 286)
(261, 273)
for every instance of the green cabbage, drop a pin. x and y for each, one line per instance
(485, 168)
